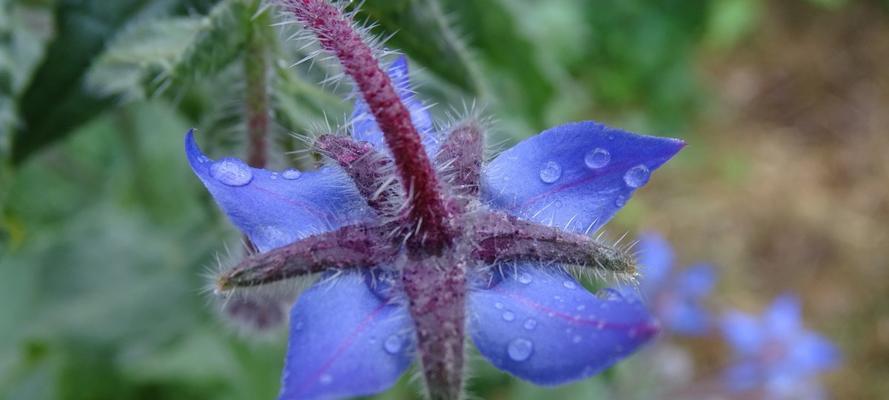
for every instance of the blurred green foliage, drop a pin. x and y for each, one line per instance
(105, 234)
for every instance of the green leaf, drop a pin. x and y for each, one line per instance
(423, 31)
(155, 55)
(56, 100)
(513, 72)
(497, 48)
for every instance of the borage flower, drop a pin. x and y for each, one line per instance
(417, 241)
(675, 297)
(775, 355)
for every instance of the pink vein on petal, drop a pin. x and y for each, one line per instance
(572, 184)
(310, 208)
(577, 320)
(342, 348)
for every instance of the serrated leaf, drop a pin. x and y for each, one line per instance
(58, 98)
(155, 55)
(155, 45)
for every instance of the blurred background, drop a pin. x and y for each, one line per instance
(106, 237)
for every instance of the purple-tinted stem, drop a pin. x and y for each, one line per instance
(368, 168)
(436, 287)
(496, 238)
(336, 35)
(348, 247)
(460, 157)
(502, 238)
(256, 101)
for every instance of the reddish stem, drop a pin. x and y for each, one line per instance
(334, 32)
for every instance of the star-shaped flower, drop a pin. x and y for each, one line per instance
(676, 298)
(418, 241)
(775, 354)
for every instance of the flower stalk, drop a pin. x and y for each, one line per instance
(427, 207)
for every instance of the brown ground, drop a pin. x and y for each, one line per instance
(786, 185)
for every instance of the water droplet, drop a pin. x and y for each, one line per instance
(508, 316)
(498, 305)
(569, 285)
(576, 339)
(519, 349)
(525, 278)
(297, 325)
(530, 324)
(620, 201)
(597, 158)
(550, 172)
(581, 307)
(325, 379)
(231, 171)
(393, 344)
(291, 173)
(637, 176)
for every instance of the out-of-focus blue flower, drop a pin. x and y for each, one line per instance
(775, 354)
(676, 297)
(351, 333)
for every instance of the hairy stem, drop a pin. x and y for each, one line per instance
(334, 32)
(501, 237)
(436, 288)
(348, 247)
(256, 65)
(460, 157)
(256, 97)
(369, 169)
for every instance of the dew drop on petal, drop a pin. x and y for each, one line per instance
(530, 324)
(525, 278)
(569, 285)
(393, 344)
(325, 379)
(576, 339)
(291, 173)
(581, 307)
(498, 305)
(597, 158)
(550, 172)
(620, 201)
(519, 349)
(637, 176)
(508, 316)
(231, 172)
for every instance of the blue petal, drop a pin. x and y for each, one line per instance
(544, 327)
(271, 209)
(743, 376)
(783, 318)
(743, 332)
(655, 261)
(556, 177)
(812, 353)
(345, 341)
(364, 126)
(696, 282)
(685, 317)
